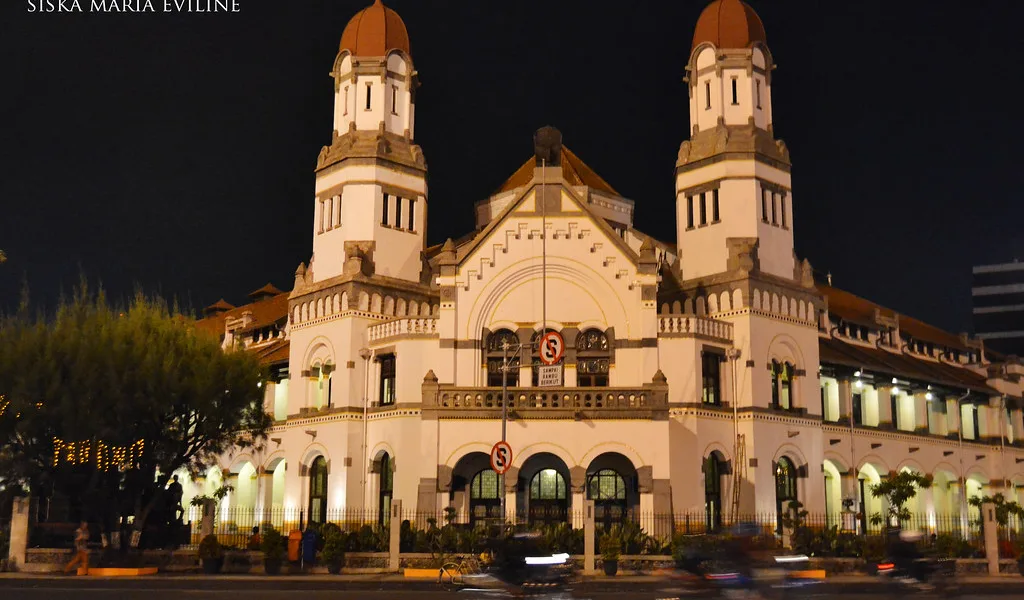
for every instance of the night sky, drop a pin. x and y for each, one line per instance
(176, 152)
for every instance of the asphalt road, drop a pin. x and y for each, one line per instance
(71, 588)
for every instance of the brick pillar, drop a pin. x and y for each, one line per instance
(19, 531)
(394, 562)
(588, 538)
(988, 518)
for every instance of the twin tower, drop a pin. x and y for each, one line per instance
(734, 205)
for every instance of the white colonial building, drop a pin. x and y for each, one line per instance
(708, 376)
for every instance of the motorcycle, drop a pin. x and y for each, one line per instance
(922, 575)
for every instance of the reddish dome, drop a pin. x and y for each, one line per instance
(375, 31)
(729, 24)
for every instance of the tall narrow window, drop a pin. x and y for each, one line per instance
(715, 217)
(337, 211)
(394, 99)
(786, 387)
(320, 215)
(329, 210)
(344, 109)
(711, 384)
(318, 490)
(757, 87)
(776, 369)
(689, 212)
(592, 358)
(894, 406)
(782, 202)
(369, 89)
(387, 380)
(735, 99)
(775, 214)
(858, 414)
(384, 211)
(764, 205)
(387, 487)
(398, 211)
(412, 214)
(707, 93)
(703, 208)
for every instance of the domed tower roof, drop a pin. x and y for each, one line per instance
(729, 24)
(375, 31)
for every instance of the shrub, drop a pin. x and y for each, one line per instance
(210, 548)
(611, 547)
(273, 544)
(335, 543)
(952, 546)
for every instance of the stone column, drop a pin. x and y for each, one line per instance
(885, 416)
(394, 548)
(578, 477)
(265, 494)
(19, 531)
(645, 482)
(511, 482)
(588, 538)
(845, 399)
(921, 412)
(952, 416)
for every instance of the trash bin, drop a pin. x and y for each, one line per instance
(294, 545)
(309, 539)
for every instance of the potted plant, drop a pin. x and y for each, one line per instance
(611, 548)
(333, 553)
(211, 553)
(273, 547)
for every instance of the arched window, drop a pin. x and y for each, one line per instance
(713, 492)
(496, 355)
(608, 491)
(318, 490)
(387, 483)
(549, 503)
(484, 498)
(786, 387)
(785, 487)
(592, 358)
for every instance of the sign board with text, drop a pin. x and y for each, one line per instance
(549, 376)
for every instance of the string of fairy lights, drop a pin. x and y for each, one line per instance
(104, 456)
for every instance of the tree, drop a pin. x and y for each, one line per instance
(95, 400)
(898, 489)
(1003, 508)
(3, 257)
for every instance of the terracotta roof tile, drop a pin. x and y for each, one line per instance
(264, 312)
(729, 24)
(574, 171)
(275, 353)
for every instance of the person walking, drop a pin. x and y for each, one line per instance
(174, 493)
(81, 557)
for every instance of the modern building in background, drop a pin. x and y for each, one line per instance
(710, 375)
(997, 298)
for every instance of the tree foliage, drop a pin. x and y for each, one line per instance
(1004, 509)
(898, 489)
(100, 378)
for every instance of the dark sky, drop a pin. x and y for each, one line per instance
(176, 152)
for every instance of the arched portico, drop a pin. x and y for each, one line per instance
(612, 485)
(543, 492)
(475, 492)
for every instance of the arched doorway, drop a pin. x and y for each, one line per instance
(474, 494)
(386, 487)
(612, 485)
(484, 499)
(714, 468)
(543, 490)
(318, 490)
(833, 492)
(868, 477)
(785, 488)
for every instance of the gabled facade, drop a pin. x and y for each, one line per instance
(713, 376)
